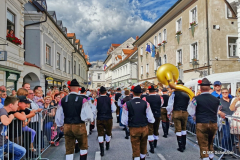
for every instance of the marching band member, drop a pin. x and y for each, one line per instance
(137, 114)
(165, 120)
(144, 94)
(178, 102)
(156, 102)
(205, 107)
(117, 96)
(105, 106)
(76, 111)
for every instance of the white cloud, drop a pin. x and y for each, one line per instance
(149, 14)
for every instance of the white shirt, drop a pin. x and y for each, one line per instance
(149, 114)
(170, 103)
(35, 107)
(59, 116)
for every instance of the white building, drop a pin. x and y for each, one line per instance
(11, 68)
(114, 54)
(96, 75)
(53, 56)
(125, 71)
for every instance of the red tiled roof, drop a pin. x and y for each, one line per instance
(30, 64)
(77, 40)
(86, 56)
(88, 63)
(132, 51)
(70, 34)
(119, 56)
(116, 45)
(127, 51)
(81, 46)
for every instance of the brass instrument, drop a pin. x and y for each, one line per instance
(168, 74)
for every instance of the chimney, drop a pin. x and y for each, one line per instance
(137, 37)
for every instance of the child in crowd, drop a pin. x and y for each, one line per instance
(38, 98)
(10, 105)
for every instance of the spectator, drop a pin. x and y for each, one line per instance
(22, 92)
(38, 98)
(57, 99)
(37, 88)
(217, 90)
(227, 138)
(59, 120)
(11, 105)
(49, 92)
(48, 118)
(14, 93)
(211, 90)
(3, 96)
(3, 88)
(26, 86)
(235, 106)
(1, 105)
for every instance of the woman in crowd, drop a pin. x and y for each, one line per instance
(48, 118)
(235, 106)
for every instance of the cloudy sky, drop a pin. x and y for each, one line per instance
(99, 23)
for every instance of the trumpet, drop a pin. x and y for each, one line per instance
(168, 74)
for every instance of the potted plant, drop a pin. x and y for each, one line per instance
(178, 35)
(147, 74)
(179, 63)
(14, 39)
(163, 44)
(159, 47)
(193, 24)
(141, 57)
(141, 75)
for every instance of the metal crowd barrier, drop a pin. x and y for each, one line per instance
(35, 137)
(226, 141)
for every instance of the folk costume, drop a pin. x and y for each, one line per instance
(123, 101)
(105, 106)
(137, 114)
(205, 107)
(156, 102)
(178, 103)
(164, 118)
(76, 111)
(117, 96)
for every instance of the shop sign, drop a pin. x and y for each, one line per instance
(3, 55)
(12, 77)
(59, 83)
(50, 82)
(49, 79)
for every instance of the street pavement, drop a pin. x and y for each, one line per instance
(120, 148)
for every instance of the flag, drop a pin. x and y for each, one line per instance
(153, 50)
(148, 48)
(105, 66)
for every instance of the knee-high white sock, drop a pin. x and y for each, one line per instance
(108, 138)
(150, 138)
(178, 133)
(83, 152)
(136, 158)
(184, 132)
(69, 157)
(211, 155)
(155, 137)
(142, 155)
(100, 139)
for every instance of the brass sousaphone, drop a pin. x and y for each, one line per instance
(168, 74)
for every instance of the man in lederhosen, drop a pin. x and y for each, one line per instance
(124, 100)
(76, 110)
(105, 106)
(137, 114)
(164, 118)
(205, 107)
(178, 102)
(156, 103)
(117, 96)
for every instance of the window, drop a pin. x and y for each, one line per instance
(69, 67)
(179, 25)
(232, 46)
(159, 38)
(142, 51)
(64, 64)
(155, 41)
(230, 14)
(194, 50)
(98, 84)
(58, 60)
(141, 69)
(48, 55)
(74, 67)
(179, 56)
(10, 21)
(193, 15)
(155, 64)
(147, 68)
(79, 69)
(165, 59)
(165, 34)
(99, 76)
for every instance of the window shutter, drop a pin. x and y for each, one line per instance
(191, 53)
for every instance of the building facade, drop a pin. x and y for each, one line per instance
(113, 57)
(52, 55)
(96, 75)
(125, 71)
(11, 53)
(198, 37)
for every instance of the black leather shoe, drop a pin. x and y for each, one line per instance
(179, 139)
